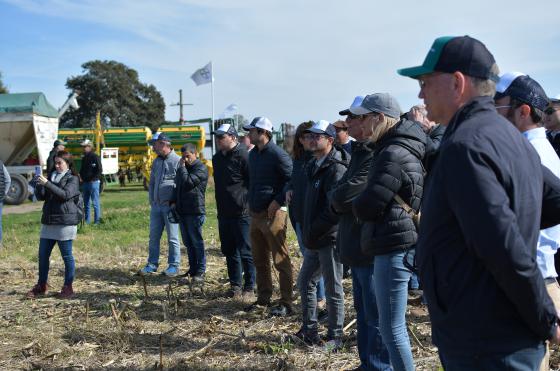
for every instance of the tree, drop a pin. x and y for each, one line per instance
(3, 88)
(115, 90)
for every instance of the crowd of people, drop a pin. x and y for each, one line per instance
(480, 159)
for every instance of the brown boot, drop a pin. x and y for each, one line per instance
(66, 292)
(39, 289)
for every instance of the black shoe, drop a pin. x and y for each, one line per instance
(256, 305)
(281, 310)
(198, 278)
(346, 273)
(332, 345)
(307, 337)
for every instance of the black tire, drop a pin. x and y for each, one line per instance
(18, 190)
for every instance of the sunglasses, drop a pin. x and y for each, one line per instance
(551, 110)
(352, 116)
(313, 136)
(338, 130)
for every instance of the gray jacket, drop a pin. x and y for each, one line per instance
(162, 178)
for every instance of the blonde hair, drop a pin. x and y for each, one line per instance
(381, 128)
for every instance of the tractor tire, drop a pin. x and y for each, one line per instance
(18, 190)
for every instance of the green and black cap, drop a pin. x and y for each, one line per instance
(455, 53)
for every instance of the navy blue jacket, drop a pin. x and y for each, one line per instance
(478, 236)
(231, 181)
(190, 188)
(269, 171)
(352, 183)
(298, 184)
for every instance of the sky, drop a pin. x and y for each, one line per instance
(289, 60)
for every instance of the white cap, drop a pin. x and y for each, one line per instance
(506, 79)
(322, 127)
(261, 123)
(86, 142)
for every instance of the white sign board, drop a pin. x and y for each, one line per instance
(46, 132)
(110, 160)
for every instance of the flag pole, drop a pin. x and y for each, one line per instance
(212, 92)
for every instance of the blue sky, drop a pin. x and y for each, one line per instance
(289, 60)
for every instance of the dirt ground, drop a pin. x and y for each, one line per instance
(22, 209)
(111, 323)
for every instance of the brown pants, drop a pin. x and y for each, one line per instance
(553, 290)
(270, 237)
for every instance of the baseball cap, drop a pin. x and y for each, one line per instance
(455, 53)
(59, 142)
(340, 124)
(158, 135)
(523, 88)
(322, 127)
(260, 123)
(379, 102)
(86, 143)
(225, 129)
(357, 101)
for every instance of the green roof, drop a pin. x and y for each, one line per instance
(27, 103)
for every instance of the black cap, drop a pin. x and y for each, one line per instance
(159, 136)
(59, 142)
(522, 88)
(450, 54)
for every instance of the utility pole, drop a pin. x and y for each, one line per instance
(181, 104)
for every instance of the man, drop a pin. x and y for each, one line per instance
(552, 123)
(371, 350)
(161, 191)
(58, 146)
(522, 101)
(5, 182)
(434, 132)
(245, 141)
(231, 182)
(90, 175)
(190, 185)
(270, 169)
(480, 220)
(320, 227)
(342, 138)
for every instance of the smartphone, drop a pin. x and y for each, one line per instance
(38, 170)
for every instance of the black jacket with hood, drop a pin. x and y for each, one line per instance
(190, 188)
(320, 223)
(396, 169)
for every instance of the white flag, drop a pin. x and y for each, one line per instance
(229, 111)
(203, 75)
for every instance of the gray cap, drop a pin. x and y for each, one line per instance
(379, 102)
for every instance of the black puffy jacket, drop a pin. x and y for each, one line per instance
(91, 169)
(269, 170)
(60, 207)
(396, 169)
(320, 223)
(190, 188)
(353, 182)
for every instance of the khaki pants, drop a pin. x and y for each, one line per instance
(269, 237)
(553, 290)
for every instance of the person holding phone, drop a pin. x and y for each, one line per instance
(58, 222)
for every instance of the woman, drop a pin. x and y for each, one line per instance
(388, 230)
(295, 196)
(60, 218)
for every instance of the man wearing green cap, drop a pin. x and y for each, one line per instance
(481, 217)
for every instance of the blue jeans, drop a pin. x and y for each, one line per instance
(45, 249)
(373, 353)
(191, 230)
(91, 192)
(321, 283)
(526, 359)
(236, 247)
(316, 263)
(158, 221)
(390, 279)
